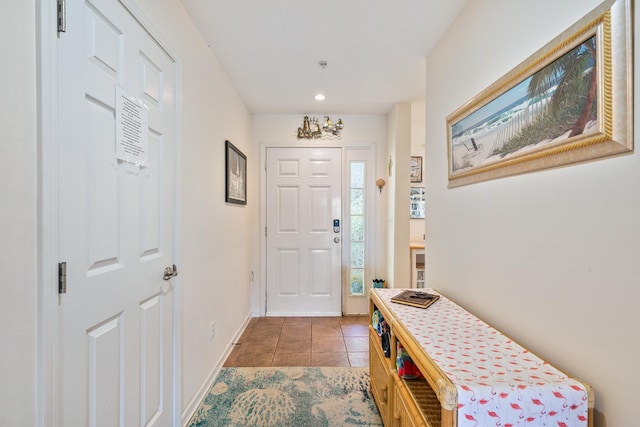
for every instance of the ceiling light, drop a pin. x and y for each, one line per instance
(319, 97)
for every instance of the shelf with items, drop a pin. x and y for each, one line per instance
(462, 362)
(415, 403)
(428, 399)
(403, 398)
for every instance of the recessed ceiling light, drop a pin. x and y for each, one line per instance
(319, 97)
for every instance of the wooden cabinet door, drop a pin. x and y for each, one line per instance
(405, 412)
(380, 378)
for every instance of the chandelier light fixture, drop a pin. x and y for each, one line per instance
(312, 128)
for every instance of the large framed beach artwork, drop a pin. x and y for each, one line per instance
(569, 102)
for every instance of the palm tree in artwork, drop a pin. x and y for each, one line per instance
(576, 78)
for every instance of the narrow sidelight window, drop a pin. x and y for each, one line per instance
(357, 222)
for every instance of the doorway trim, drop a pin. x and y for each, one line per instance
(47, 190)
(359, 304)
(260, 292)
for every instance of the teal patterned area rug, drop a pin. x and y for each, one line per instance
(283, 397)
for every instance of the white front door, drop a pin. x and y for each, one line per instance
(116, 221)
(303, 249)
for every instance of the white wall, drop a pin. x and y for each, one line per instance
(549, 258)
(216, 237)
(398, 225)
(18, 243)
(281, 130)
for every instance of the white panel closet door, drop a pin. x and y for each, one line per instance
(116, 223)
(303, 251)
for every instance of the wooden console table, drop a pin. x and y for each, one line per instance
(473, 375)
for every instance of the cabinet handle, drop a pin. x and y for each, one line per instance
(396, 419)
(384, 393)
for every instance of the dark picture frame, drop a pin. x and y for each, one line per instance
(416, 168)
(568, 103)
(235, 175)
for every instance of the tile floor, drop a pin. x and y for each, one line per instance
(302, 341)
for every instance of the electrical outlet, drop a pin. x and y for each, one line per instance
(212, 331)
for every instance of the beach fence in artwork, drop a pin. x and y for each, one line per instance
(483, 142)
(516, 123)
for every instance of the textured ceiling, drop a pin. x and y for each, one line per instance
(375, 50)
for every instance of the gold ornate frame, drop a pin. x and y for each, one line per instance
(610, 133)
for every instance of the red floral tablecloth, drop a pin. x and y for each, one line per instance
(499, 382)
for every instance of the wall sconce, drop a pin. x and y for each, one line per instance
(380, 183)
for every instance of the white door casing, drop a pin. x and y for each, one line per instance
(116, 223)
(303, 262)
(359, 304)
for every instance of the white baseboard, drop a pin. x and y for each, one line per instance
(305, 314)
(194, 403)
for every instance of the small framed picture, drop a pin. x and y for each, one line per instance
(417, 203)
(416, 169)
(236, 175)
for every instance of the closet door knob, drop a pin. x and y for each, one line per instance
(169, 272)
